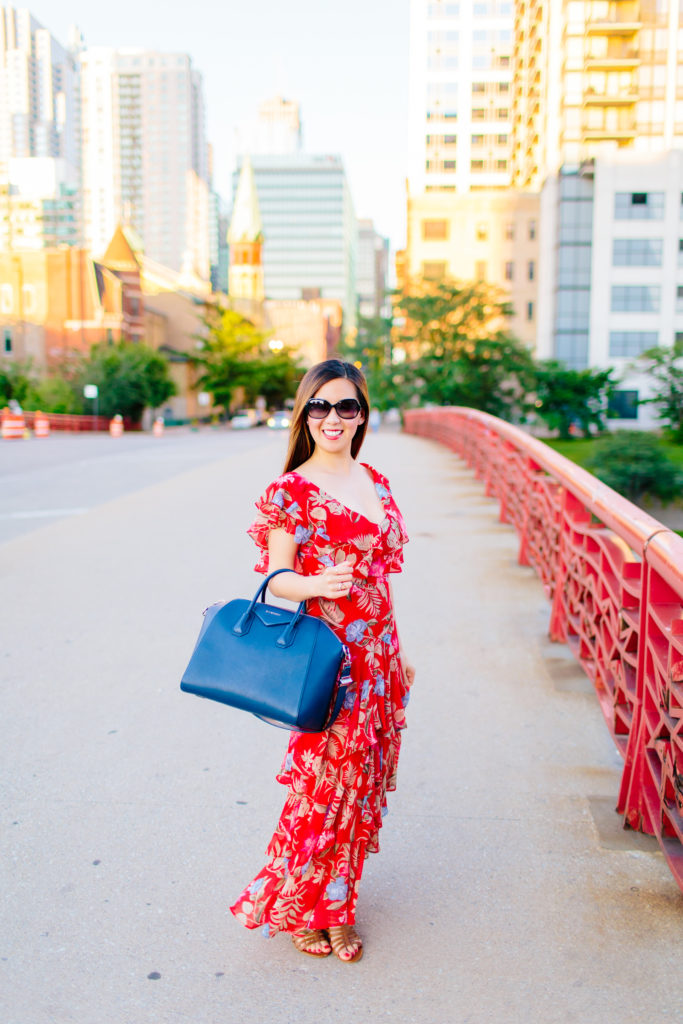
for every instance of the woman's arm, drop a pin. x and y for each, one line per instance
(332, 583)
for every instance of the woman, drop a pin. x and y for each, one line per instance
(334, 520)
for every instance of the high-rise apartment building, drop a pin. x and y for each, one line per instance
(460, 94)
(593, 78)
(39, 136)
(145, 155)
(598, 127)
(309, 228)
(38, 91)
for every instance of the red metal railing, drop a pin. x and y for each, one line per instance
(73, 422)
(614, 576)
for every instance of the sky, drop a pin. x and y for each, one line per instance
(345, 63)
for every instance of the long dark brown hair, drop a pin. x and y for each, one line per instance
(301, 443)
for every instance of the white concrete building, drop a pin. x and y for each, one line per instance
(145, 155)
(460, 94)
(613, 285)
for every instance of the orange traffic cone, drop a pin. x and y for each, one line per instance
(13, 425)
(41, 425)
(116, 425)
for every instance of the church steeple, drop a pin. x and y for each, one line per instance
(245, 237)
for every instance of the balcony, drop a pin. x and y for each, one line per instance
(592, 98)
(619, 134)
(613, 27)
(624, 61)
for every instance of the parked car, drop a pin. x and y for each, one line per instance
(279, 420)
(244, 419)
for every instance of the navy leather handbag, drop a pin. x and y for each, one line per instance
(281, 665)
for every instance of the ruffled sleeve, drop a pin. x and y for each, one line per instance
(395, 535)
(281, 506)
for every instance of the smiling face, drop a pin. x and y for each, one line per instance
(333, 434)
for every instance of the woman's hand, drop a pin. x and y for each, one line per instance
(335, 582)
(408, 669)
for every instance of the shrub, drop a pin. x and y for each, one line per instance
(634, 463)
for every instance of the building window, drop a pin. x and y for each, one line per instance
(450, 140)
(502, 113)
(631, 343)
(8, 341)
(509, 270)
(680, 252)
(28, 299)
(638, 205)
(623, 405)
(679, 298)
(532, 230)
(501, 165)
(510, 231)
(482, 232)
(478, 114)
(529, 310)
(635, 298)
(435, 230)
(449, 165)
(477, 140)
(478, 86)
(476, 165)
(480, 270)
(637, 252)
(6, 298)
(434, 270)
(531, 270)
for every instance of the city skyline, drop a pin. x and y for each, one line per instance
(329, 64)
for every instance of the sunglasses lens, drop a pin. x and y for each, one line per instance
(348, 408)
(318, 408)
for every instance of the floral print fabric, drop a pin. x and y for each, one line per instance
(337, 780)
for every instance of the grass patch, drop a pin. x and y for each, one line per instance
(579, 450)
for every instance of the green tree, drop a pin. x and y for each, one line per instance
(565, 396)
(129, 376)
(235, 354)
(372, 347)
(665, 366)
(56, 394)
(459, 351)
(17, 381)
(634, 463)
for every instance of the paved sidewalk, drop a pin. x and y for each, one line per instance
(506, 891)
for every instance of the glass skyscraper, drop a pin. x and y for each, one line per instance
(309, 228)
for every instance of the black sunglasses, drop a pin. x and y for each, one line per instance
(319, 408)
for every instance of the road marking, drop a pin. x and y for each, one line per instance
(44, 513)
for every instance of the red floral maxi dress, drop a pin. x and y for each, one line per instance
(338, 779)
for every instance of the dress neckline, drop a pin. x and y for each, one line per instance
(353, 511)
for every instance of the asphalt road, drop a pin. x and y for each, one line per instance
(131, 814)
(43, 481)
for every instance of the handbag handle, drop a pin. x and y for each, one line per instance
(243, 624)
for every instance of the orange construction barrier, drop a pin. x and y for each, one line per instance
(158, 428)
(13, 425)
(41, 425)
(116, 425)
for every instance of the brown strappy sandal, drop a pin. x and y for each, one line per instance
(342, 936)
(305, 939)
